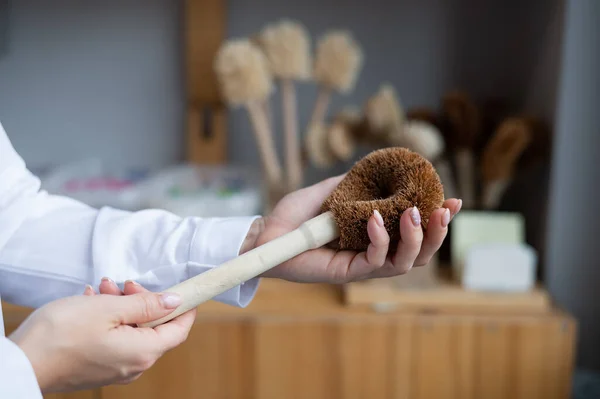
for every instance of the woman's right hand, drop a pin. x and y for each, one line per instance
(87, 341)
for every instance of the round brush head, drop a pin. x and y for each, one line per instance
(337, 62)
(423, 114)
(317, 146)
(242, 72)
(461, 119)
(424, 138)
(389, 180)
(341, 141)
(287, 47)
(383, 111)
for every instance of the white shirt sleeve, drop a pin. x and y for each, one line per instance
(17, 378)
(51, 246)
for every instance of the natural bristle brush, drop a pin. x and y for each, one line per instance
(338, 60)
(389, 180)
(461, 119)
(245, 80)
(286, 45)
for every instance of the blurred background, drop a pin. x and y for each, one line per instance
(117, 103)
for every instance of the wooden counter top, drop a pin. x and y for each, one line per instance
(279, 300)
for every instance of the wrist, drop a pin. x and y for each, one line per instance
(42, 375)
(256, 229)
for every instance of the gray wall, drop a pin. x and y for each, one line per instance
(93, 77)
(99, 78)
(573, 251)
(424, 49)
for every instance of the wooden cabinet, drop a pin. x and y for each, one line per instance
(299, 341)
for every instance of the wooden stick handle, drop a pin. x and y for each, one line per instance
(445, 172)
(493, 192)
(312, 234)
(266, 145)
(292, 141)
(321, 105)
(465, 170)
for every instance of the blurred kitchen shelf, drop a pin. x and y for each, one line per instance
(445, 296)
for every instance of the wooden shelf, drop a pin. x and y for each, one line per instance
(302, 341)
(443, 296)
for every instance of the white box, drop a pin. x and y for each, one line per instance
(500, 267)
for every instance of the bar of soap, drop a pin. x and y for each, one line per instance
(500, 268)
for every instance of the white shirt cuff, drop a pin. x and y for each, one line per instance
(17, 378)
(216, 241)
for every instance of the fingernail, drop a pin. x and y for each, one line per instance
(459, 207)
(132, 282)
(107, 280)
(171, 300)
(415, 216)
(378, 218)
(88, 289)
(446, 217)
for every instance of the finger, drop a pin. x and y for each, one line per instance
(89, 291)
(411, 238)
(380, 240)
(376, 254)
(437, 229)
(144, 307)
(109, 287)
(454, 205)
(310, 199)
(129, 380)
(176, 331)
(131, 287)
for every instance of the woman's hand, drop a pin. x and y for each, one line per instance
(88, 341)
(327, 265)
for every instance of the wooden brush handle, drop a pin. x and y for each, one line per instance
(321, 105)
(465, 169)
(268, 113)
(312, 234)
(493, 192)
(266, 145)
(292, 141)
(445, 172)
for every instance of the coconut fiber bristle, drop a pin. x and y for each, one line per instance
(242, 72)
(423, 114)
(389, 180)
(501, 155)
(461, 119)
(337, 62)
(287, 47)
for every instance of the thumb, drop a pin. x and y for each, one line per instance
(308, 200)
(144, 307)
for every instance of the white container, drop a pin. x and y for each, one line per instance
(204, 191)
(94, 183)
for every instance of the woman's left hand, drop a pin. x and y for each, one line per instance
(416, 248)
